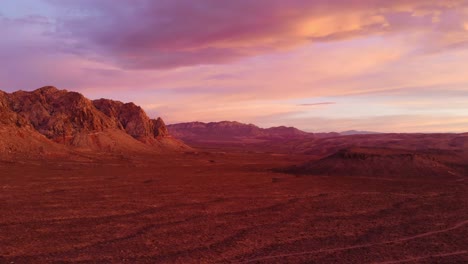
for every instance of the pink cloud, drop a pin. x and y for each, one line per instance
(253, 61)
(318, 104)
(168, 34)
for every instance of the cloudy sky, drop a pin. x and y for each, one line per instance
(323, 65)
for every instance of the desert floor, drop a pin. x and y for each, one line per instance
(224, 208)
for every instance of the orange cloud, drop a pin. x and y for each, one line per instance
(185, 33)
(254, 61)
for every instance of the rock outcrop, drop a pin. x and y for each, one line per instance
(70, 119)
(132, 119)
(159, 128)
(58, 114)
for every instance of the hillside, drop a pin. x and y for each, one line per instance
(53, 120)
(377, 162)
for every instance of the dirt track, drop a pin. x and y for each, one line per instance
(403, 239)
(224, 208)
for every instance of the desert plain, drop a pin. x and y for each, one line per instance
(213, 206)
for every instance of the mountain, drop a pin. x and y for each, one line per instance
(232, 131)
(132, 119)
(53, 118)
(357, 132)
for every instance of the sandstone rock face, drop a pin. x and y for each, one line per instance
(127, 116)
(7, 116)
(3, 101)
(132, 119)
(58, 114)
(71, 119)
(159, 128)
(5, 113)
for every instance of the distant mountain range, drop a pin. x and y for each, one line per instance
(236, 131)
(357, 132)
(232, 131)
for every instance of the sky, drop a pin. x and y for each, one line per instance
(323, 65)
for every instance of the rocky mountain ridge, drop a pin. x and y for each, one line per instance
(69, 119)
(233, 130)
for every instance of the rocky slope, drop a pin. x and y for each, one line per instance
(54, 117)
(132, 119)
(17, 136)
(377, 162)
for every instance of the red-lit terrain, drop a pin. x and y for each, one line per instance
(111, 185)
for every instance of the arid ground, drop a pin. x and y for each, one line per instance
(267, 131)
(218, 207)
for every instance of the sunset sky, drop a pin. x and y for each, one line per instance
(389, 66)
